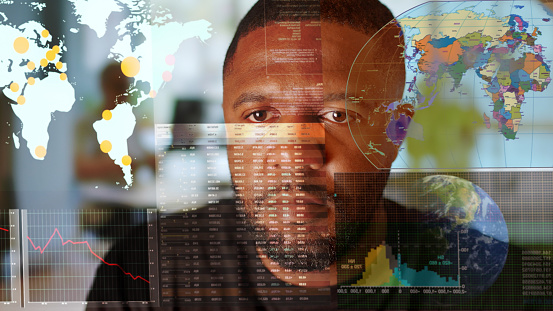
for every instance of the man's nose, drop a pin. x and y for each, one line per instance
(296, 156)
(302, 149)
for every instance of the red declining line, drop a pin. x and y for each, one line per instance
(3, 229)
(42, 249)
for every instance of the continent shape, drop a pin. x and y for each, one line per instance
(23, 85)
(36, 113)
(513, 64)
(87, 13)
(456, 25)
(117, 131)
(151, 68)
(31, 67)
(166, 38)
(13, 65)
(433, 57)
(506, 55)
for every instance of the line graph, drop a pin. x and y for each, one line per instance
(64, 249)
(42, 249)
(4, 229)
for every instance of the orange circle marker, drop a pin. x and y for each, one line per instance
(130, 66)
(21, 45)
(105, 146)
(31, 81)
(40, 151)
(31, 65)
(106, 115)
(126, 160)
(63, 76)
(43, 62)
(14, 87)
(50, 55)
(45, 33)
(21, 100)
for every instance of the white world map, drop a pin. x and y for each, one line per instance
(35, 77)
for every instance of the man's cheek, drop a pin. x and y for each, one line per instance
(343, 155)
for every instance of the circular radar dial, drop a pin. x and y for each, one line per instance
(377, 116)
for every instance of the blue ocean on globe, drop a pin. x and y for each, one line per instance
(471, 224)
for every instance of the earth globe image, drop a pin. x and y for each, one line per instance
(469, 223)
(477, 87)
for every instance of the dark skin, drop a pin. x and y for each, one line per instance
(248, 75)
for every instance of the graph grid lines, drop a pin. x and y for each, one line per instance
(63, 249)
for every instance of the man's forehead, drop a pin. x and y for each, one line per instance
(319, 46)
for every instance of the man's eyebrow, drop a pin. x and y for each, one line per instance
(334, 97)
(246, 98)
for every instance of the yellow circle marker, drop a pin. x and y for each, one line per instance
(43, 62)
(56, 49)
(63, 76)
(14, 87)
(126, 160)
(105, 146)
(40, 151)
(21, 45)
(50, 55)
(31, 66)
(21, 100)
(59, 65)
(153, 94)
(45, 33)
(130, 66)
(31, 81)
(106, 115)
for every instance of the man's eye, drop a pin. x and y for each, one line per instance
(259, 116)
(335, 116)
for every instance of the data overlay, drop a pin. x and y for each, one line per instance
(62, 251)
(449, 240)
(209, 252)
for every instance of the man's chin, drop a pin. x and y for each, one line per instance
(314, 252)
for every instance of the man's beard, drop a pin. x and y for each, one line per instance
(316, 252)
(305, 251)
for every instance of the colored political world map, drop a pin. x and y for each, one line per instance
(478, 74)
(36, 78)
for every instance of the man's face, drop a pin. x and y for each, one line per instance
(287, 184)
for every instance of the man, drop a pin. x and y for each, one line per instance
(259, 87)
(285, 77)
